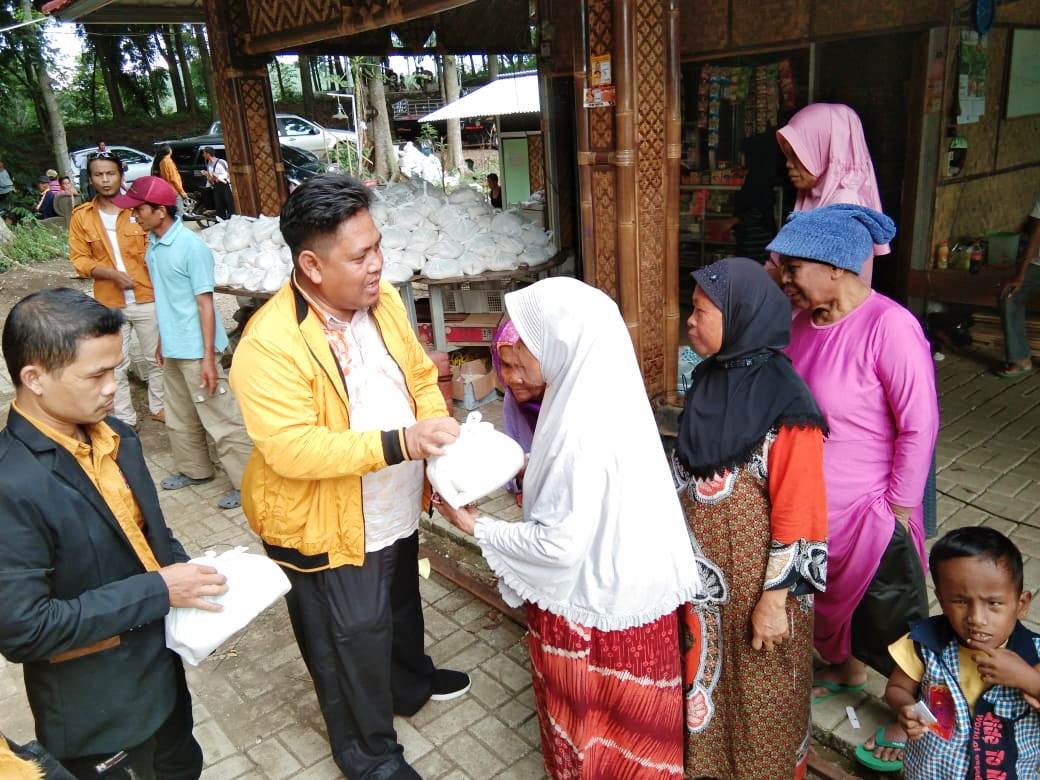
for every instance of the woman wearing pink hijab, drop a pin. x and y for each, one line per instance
(828, 162)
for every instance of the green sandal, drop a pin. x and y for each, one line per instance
(870, 761)
(1014, 371)
(834, 689)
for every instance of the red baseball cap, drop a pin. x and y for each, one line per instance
(147, 189)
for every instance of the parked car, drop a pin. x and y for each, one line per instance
(136, 162)
(300, 133)
(299, 164)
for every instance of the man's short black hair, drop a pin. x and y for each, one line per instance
(977, 542)
(208, 150)
(45, 328)
(171, 210)
(492, 177)
(110, 156)
(318, 207)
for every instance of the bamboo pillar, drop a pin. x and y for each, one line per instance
(624, 160)
(585, 157)
(673, 154)
(247, 112)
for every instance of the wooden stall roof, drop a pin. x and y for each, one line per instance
(126, 11)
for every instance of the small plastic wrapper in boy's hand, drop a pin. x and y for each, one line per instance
(925, 715)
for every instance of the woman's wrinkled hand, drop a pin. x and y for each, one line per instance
(465, 519)
(769, 623)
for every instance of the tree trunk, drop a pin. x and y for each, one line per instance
(169, 54)
(306, 85)
(190, 100)
(93, 88)
(456, 161)
(207, 69)
(281, 82)
(141, 44)
(115, 99)
(492, 66)
(33, 88)
(59, 143)
(382, 138)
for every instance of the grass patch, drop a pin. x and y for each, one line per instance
(32, 242)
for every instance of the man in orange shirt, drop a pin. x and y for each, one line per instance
(107, 245)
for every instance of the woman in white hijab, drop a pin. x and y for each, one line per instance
(602, 559)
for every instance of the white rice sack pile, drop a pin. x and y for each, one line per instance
(238, 235)
(274, 278)
(413, 259)
(484, 245)
(532, 235)
(466, 195)
(447, 214)
(395, 237)
(509, 245)
(503, 261)
(221, 274)
(395, 272)
(444, 249)
(379, 212)
(472, 264)
(534, 255)
(508, 223)
(214, 236)
(479, 210)
(442, 268)
(460, 231)
(422, 238)
(264, 229)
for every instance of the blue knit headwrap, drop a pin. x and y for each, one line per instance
(842, 235)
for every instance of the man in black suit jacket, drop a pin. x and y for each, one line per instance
(88, 568)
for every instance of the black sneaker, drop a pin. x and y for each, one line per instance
(449, 684)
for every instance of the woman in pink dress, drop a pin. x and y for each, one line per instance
(828, 162)
(868, 364)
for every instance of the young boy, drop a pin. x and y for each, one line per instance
(974, 667)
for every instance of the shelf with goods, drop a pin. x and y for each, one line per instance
(707, 216)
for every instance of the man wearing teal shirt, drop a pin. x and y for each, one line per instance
(191, 340)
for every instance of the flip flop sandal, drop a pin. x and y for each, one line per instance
(232, 500)
(1014, 372)
(870, 761)
(178, 481)
(834, 689)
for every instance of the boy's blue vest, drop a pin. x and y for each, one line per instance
(1001, 741)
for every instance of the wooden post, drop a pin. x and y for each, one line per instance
(673, 155)
(624, 160)
(588, 233)
(247, 112)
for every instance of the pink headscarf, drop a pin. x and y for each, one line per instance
(828, 140)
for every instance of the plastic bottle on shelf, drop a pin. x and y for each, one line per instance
(942, 256)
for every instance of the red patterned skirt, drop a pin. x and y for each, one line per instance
(610, 703)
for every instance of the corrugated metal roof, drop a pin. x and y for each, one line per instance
(508, 95)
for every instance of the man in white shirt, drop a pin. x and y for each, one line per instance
(107, 244)
(6, 185)
(1025, 284)
(219, 178)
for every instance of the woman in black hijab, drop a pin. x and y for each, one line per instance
(749, 468)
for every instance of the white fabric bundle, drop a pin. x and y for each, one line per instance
(465, 194)
(237, 236)
(274, 279)
(478, 462)
(254, 583)
(426, 204)
(472, 264)
(379, 213)
(447, 214)
(413, 259)
(264, 228)
(502, 261)
(221, 274)
(461, 230)
(532, 234)
(408, 218)
(533, 255)
(484, 244)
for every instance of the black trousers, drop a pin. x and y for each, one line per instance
(171, 754)
(360, 631)
(222, 200)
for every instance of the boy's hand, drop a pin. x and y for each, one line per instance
(1000, 666)
(911, 723)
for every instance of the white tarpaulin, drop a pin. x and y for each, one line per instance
(517, 95)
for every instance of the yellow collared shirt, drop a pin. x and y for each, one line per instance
(98, 461)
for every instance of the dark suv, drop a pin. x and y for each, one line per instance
(299, 164)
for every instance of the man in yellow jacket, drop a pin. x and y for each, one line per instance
(342, 405)
(107, 244)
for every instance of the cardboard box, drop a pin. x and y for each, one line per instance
(475, 367)
(472, 390)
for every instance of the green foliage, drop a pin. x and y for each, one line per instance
(427, 132)
(32, 242)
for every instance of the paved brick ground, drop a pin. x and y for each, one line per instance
(256, 711)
